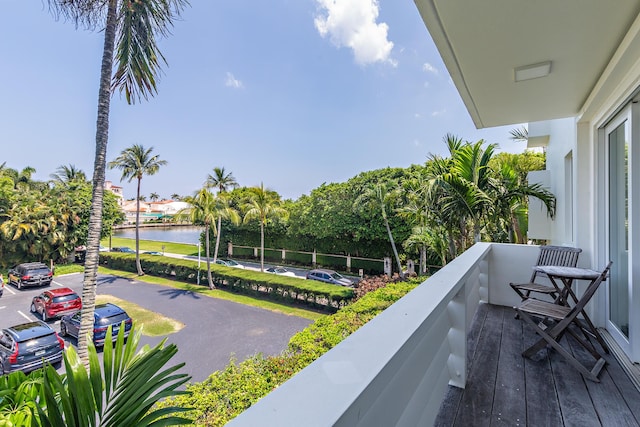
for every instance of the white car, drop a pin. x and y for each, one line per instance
(281, 271)
(229, 263)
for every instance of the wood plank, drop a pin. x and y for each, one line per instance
(543, 408)
(610, 405)
(556, 393)
(628, 390)
(477, 400)
(573, 397)
(509, 407)
(451, 403)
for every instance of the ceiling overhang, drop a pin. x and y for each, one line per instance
(516, 61)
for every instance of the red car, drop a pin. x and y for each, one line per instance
(56, 302)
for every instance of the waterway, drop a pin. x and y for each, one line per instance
(163, 234)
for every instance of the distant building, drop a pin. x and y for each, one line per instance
(117, 190)
(163, 209)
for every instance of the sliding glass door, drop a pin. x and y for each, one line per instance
(618, 135)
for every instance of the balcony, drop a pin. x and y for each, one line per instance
(449, 354)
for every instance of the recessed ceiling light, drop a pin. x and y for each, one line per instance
(532, 71)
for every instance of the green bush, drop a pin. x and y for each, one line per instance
(228, 392)
(299, 258)
(335, 262)
(370, 267)
(275, 287)
(242, 252)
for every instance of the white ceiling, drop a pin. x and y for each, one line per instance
(482, 41)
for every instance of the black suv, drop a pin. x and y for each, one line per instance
(103, 316)
(30, 274)
(27, 346)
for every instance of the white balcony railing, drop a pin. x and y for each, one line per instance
(395, 370)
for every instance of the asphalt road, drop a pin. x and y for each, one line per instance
(215, 330)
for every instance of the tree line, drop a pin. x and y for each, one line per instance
(47, 220)
(430, 212)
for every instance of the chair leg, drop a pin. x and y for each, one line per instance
(552, 339)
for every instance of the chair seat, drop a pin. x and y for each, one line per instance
(534, 287)
(544, 309)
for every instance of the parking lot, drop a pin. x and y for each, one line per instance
(214, 331)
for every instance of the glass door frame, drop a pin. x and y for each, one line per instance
(630, 114)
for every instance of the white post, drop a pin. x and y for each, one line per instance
(198, 263)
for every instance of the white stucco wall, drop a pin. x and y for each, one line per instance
(562, 143)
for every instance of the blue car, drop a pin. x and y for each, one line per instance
(104, 315)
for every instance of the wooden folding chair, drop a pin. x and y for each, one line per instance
(564, 256)
(564, 317)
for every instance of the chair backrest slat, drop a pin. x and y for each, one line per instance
(563, 256)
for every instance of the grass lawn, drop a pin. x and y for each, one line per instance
(153, 324)
(152, 245)
(220, 294)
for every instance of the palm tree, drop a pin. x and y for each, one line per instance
(176, 196)
(135, 162)
(68, 174)
(263, 204)
(135, 25)
(222, 182)
(381, 196)
(520, 134)
(123, 391)
(154, 197)
(466, 184)
(201, 211)
(511, 197)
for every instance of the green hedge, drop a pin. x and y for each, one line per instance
(275, 287)
(370, 267)
(273, 255)
(299, 258)
(242, 252)
(228, 392)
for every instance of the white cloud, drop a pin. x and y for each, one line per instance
(429, 68)
(352, 23)
(417, 115)
(438, 113)
(233, 82)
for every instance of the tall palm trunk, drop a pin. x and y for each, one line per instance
(138, 266)
(393, 243)
(215, 254)
(262, 221)
(95, 217)
(262, 244)
(206, 249)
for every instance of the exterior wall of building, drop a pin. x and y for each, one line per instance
(580, 144)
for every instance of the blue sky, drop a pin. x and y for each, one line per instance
(292, 93)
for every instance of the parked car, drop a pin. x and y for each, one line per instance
(329, 276)
(124, 249)
(104, 315)
(27, 346)
(229, 263)
(280, 271)
(56, 302)
(151, 253)
(30, 274)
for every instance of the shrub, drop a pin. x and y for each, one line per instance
(371, 283)
(228, 392)
(275, 287)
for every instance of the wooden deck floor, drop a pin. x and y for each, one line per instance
(504, 388)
